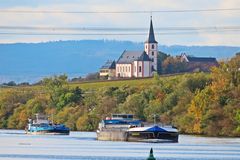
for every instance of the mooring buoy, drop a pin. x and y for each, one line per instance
(151, 157)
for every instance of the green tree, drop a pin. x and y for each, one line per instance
(173, 65)
(160, 59)
(60, 93)
(134, 104)
(11, 100)
(69, 116)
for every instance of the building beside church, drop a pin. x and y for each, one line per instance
(197, 64)
(108, 70)
(139, 63)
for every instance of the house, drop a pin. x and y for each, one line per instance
(198, 63)
(108, 70)
(139, 63)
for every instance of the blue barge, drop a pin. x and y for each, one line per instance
(41, 125)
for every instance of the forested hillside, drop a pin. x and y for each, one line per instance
(198, 103)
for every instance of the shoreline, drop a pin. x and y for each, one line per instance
(185, 134)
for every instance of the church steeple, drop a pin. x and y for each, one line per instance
(151, 37)
(151, 48)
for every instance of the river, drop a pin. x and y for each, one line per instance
(15, 145)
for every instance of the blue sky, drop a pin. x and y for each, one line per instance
(189, 19)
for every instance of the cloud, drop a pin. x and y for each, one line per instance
(198, 19)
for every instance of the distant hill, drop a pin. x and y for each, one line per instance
(32, 61)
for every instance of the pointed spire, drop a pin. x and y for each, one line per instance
(151, 37)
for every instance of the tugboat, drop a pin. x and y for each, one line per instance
(122, 127)
(41, 125)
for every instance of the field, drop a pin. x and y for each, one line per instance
(94, 85)
(115, 83)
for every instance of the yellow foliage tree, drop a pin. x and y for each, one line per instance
(198, 107)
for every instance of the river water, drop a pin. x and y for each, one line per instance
(15, 145)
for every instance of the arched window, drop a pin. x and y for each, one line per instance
(140, 68)
(152, 46)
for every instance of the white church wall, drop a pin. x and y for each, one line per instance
(145, 67)
(140, 69)
(135, 65)
(147, 71)
(123, 70)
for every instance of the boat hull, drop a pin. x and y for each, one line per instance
(155, 137)
(150, 137)
(49, 130)
(47, 133)
(112, 135)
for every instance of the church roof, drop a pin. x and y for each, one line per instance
(201, 59)
(109, 65)
(130, 56)
(144, 57)
(187, 58)
(151, 37)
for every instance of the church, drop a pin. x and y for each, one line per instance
(136, 63)
(139, 63)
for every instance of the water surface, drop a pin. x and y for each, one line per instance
(15, 145)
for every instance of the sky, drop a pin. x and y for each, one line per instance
(122, 20)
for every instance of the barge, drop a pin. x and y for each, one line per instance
(122, 127)
(41, 125)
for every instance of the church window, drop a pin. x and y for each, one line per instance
(135, 69)
(152, 46)
(140, 68)
(120, 69)
(152, 53)
(128, 69)
(123, 68)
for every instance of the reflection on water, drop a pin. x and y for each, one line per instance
(15, 145)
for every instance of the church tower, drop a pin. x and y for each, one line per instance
(151, 48)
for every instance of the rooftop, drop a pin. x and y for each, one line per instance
(201, 59)
(130, 56)
(109, 65)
